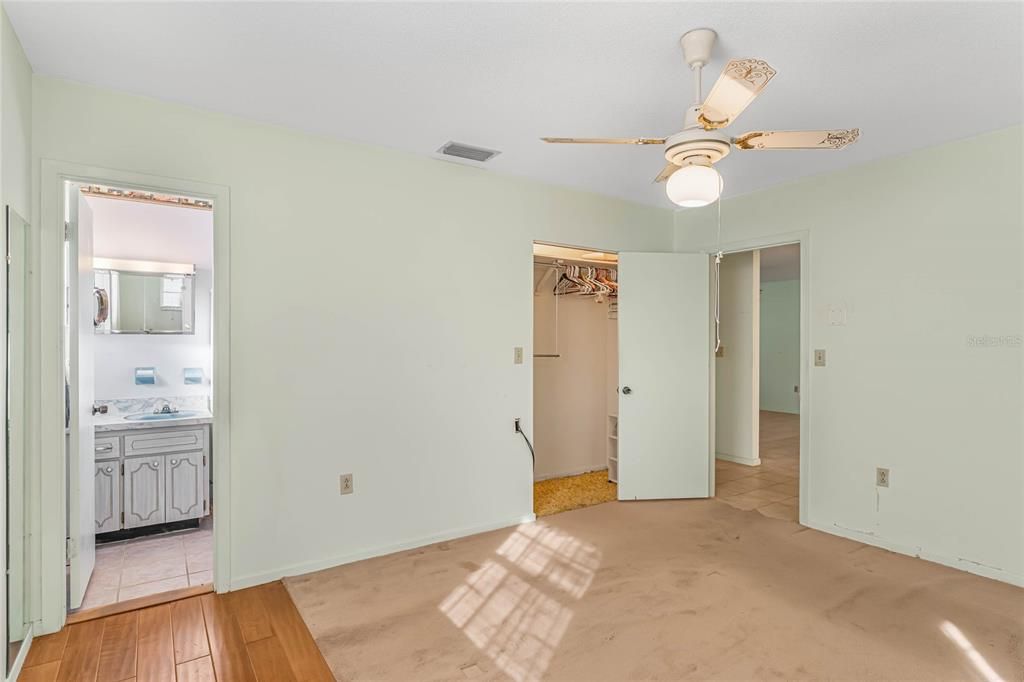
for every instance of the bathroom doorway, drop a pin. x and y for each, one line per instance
(161, 446)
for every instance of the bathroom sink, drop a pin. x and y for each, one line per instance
(162, 416)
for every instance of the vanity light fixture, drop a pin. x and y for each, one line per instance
(147, 197)
(126, 265)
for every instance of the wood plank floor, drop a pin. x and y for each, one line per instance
(253, 635)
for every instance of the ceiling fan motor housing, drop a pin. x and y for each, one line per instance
(697, 146)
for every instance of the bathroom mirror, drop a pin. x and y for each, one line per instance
(145, 298)
(16, 239)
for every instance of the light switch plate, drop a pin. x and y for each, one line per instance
(837, 316)
(819, 357)
(518, 355)
(346, 484)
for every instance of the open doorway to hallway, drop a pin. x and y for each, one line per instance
(757, 388)
(575, 378)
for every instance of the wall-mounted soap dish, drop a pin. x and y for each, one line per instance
(193, 375)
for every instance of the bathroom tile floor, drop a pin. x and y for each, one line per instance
(144, 566)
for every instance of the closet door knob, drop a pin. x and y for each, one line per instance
(626, 390)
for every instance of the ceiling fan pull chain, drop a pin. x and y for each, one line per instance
(718, 289)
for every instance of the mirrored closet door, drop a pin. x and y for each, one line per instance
(16, 230)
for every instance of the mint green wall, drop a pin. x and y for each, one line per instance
(419, 375)
(15, 121)
(780, 345)
(922, 254)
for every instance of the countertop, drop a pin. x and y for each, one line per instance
(117, 422)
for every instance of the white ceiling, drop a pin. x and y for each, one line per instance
(501, 75)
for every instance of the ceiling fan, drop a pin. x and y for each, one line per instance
(691, 153)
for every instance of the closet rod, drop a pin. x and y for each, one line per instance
(585, 263)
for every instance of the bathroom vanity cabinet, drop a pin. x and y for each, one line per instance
(147, 476)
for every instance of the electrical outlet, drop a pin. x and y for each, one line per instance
(720, 353)
(819, 357)
(518, 425)
(882, 477)
(517, 355)
(346, 484)
(796, 389)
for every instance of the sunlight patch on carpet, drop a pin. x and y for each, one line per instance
(517, 625)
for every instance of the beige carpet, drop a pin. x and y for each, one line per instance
(660, 590)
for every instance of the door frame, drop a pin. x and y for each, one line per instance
(47, 368)
(533, 320)
(803, 239)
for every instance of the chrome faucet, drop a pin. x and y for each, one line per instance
(166, 409)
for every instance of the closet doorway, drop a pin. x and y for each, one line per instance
(575, 378)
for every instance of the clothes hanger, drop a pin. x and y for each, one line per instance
(565, 284)
(595, 282)
(587, 287)
(588, 281)
(577, 277)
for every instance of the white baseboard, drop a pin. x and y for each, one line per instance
(573, 472)
(330, 562)
(919, 553)
(738, 460)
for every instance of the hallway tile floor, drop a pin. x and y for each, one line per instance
(773, 488)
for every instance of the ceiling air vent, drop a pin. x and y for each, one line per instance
(465, 151)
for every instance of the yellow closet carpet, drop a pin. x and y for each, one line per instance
(572, 492)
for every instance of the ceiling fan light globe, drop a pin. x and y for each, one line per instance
(694, 186)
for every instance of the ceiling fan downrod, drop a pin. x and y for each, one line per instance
(697, 45)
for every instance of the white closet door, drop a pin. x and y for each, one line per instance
(664, 376)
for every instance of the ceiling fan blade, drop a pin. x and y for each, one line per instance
(604, 140)
(797, 139)
(666, 172)
(741, 81)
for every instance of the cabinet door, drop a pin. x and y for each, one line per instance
(186, 486)
(143, 491)
(108, 496)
